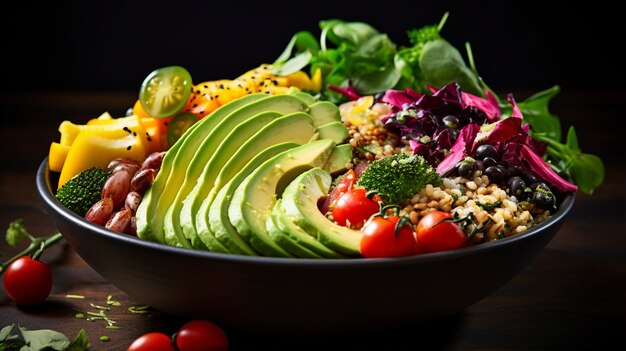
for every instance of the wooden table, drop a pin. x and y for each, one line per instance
(571, 296)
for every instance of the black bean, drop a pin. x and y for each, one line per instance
(505, 171)
(530, 178)
(543, 200)
(486, 150)
(451, 121)
(517, 188)
(489, 161)
(494, 173)
(466, 169)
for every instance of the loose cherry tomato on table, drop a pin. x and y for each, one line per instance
(384, 237)
(353, 208)
(28, 281)
(201, 335)
(152, 342)
(435, 233)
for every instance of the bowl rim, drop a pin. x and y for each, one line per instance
(45, 192)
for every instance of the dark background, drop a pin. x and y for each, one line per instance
(113, 45)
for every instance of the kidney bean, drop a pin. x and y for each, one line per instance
(117, 188)
(132, 201)
(126, 167)
(122, 161)
(142, 180)
(120, 221)
(153, 161)
(100, 212)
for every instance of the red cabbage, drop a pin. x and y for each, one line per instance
(460, 149)
(543, 170)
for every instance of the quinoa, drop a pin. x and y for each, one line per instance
(496, 213)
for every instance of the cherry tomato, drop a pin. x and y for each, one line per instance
(201, 335)
(353, 208)
(346, 183)
(28, 281)
(380, 238)
(165, 91)
(434, 235)
(179, 125)
(152, 342)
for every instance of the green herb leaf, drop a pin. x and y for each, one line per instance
(79, 343)
(536, 113)
(5, 332)
(442, 64)
(301, 41)
(44, 339)
(16, 233)
(587, 171)
(295, 64)
(377, 81)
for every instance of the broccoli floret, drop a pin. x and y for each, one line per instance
(83, 190)
(398, 177)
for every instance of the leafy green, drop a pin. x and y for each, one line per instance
(585, 170)
(398, 177)
(18, 338)
(355, 53)
(536, 113)
(442, 63)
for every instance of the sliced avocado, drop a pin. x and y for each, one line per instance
(339, 159)
(295, 127)
(254, 198)
(296, 234)
(299, 204)
(186, 176)
(306, 97)
(324, 112)
(190, 140)
(215, 224)
(286, 242)
(210, 156)
(335, 131)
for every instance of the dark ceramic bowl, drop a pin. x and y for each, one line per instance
(298, 296)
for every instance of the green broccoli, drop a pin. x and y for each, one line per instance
(397, 178)
(83, 190)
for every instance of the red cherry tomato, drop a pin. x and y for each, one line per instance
(354, 208)
(380, 238)
(346, 183)
(152, 342)
(434, 235)
(201, 335)
(28, 281)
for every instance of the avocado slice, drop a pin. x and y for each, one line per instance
(184, 177)
(295, 127)
(306, 97)
(210, 156)
(286, 242)
(324, 112)
(190, 140)
(299, 205)
(339, 159)
(254, 198)
(287, 228)
(335, 131)
(215, 224)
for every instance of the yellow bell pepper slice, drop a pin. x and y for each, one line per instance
(57, 155)
(90, 149)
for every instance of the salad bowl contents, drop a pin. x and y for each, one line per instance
(284, 201)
